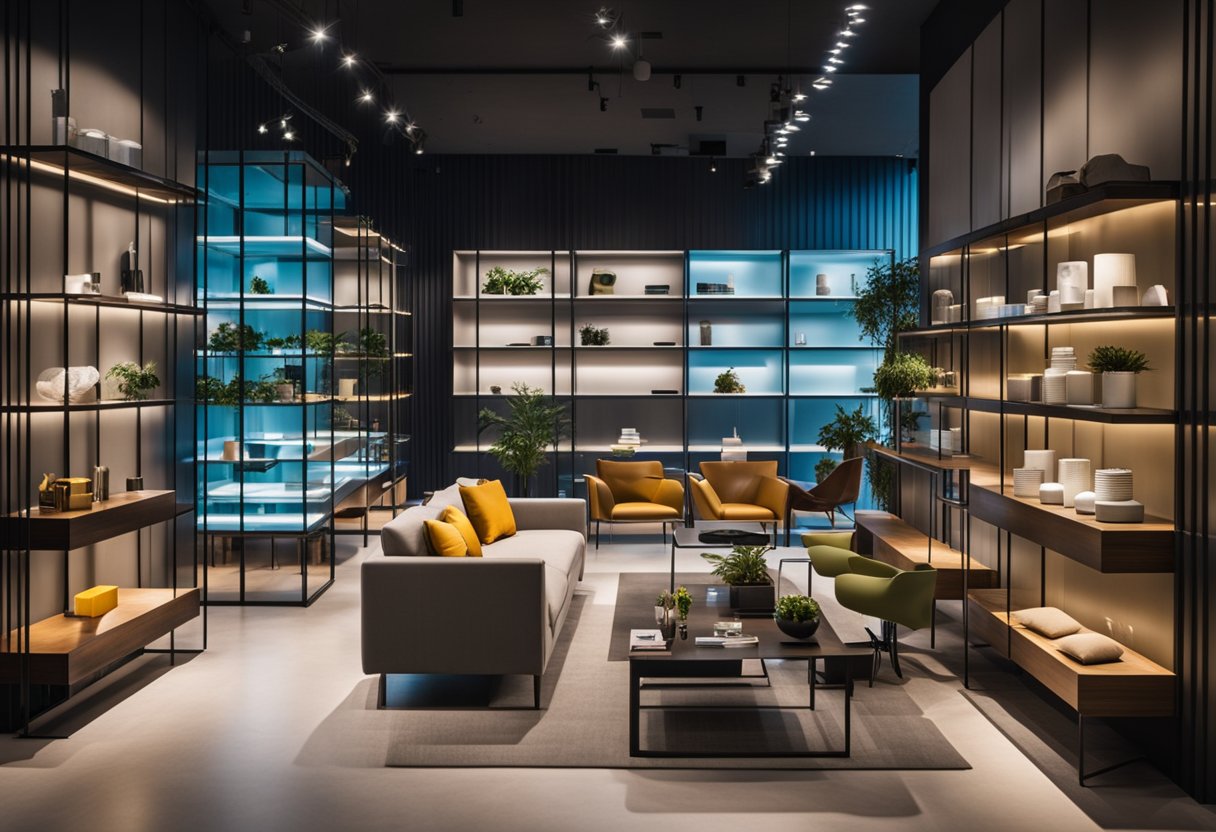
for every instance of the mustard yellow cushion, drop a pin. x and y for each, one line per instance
(445, 539)
(488, 511)
(457, 518)
(643, 511)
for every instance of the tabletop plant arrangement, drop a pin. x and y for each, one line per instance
(670, 606)
(500, 281)
(745, 571)
(1119, 367)
(134, 382)
(797, 616)
(729, 382)
(592, 336)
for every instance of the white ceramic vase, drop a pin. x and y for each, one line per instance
(347, 387)
(1119, 389)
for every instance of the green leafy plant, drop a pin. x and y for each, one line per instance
(728, 382)
(889, 303)
(322, 342)
(263, 391)
(823, 468)
(744, 565)
(901, 374)
(259, 286)
(532, 424)
(847, 432)
(274, 343)
(210, 390)
(590, 336)
(292, 342)
(343, 418)
(500, 281)
(372, 347)
(683, 601)
(797, 608)
(229, 337)
(1111, 359)
(134, 382)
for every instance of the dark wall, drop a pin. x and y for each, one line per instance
(588, 202)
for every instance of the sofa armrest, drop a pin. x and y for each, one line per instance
(415, 615)
(550, 513)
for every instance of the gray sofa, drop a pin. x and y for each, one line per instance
(494, 615)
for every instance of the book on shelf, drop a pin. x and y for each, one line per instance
(645, 641)
(727, 641)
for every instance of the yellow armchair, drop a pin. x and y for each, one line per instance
(633, 492)
(745, 491)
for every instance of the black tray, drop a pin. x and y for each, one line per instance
(734, 537)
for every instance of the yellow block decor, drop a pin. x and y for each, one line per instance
(445, 539)
(488, 510)
(96, 601)
(457, 518)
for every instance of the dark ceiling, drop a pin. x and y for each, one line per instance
(511, 76)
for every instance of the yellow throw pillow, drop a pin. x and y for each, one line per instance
(445, 539)
(457, 518)
(488, 511)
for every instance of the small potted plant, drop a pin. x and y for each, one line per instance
(500, 281)
(134, 382)
(823, 468)
(275, 345)
(591, 336)
(1119, 367)
(664, 609)
(746, 572)
(283, 385)
(259, 286)
(728, 382)
(847, 432)
(797, 616)
(683, 602)
(901, 375)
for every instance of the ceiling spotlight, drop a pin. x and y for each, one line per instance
(366, 97)
(843, 44)
(289, 135)
(713, 165)
(318, 34)
(834, 51)
(835, 61)
(799, 96)
(782, 130)
(802, 116)
(856, 7)
(410, 128)
(348, 61)
(261, 128)
(829, 69)
(793, 128)
(812, 153)
(857, 20)
(619, 42)
(391, 116)
(605, 17)
(848, 33)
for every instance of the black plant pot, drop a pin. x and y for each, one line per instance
(752, 597)
(798, 629)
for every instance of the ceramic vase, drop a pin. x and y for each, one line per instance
(1111, 270)
(1119, 389)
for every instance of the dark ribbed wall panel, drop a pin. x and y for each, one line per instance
(588, 202)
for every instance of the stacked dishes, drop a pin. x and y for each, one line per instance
(1055, 386)
(1026, 482)
(1075, 478)
(1113, 484)
(1045, 461)
(1063, 358)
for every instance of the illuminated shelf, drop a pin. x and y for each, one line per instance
(90, 169)
(84, 407)
(285, 245)
(108, 301)
(124, 512)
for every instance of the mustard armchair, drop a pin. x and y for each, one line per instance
(633, 492)
(745, 491)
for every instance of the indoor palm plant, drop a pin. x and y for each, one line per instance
(848, 432)
(532, 424)
(1119, 367)
(797, 616)
(745, 571)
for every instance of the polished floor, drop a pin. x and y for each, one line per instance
(268, 730)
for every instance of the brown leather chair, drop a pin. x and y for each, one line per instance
(842, 487)
(744, 491)
(633, 492)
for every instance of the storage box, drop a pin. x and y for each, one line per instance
(96, 601)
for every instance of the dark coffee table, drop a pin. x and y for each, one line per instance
(684, 660)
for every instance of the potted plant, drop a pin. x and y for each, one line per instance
(797, 616)
(229, 337)
(847, 433)
(275, 345)
(1119, 367)
(823, 468)
(901, 374)
(134, 382)
(283, 384)
(664, 609)
(683, 601)
(591, 336)
(746, 572)
(728, 382)
(533, 423)
(259, 286)
(500, 281)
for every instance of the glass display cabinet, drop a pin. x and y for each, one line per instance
(275, 457)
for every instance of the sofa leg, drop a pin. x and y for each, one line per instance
(381, 692)
(597, 535)
(536, 693)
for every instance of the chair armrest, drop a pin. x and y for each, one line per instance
(862, 565)
(550, 513)
(709, 507)
(671, 494)
(600, 498)
(773, 494)
(841, 540)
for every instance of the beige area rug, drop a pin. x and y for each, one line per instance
(584, 721)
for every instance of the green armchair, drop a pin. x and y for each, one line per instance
(829, 553)
(897, 597)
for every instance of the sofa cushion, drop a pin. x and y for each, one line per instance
(1090, 648)
(745, 511)
(559, 548)
(457, 518)
(489, 511)
(445, 539)
(405, 535)
(643, 511)
(449, 496)
(1047, 621)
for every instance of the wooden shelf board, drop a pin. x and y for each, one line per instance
(889, 539)
(65, 530)
(89, 168)
(1132, 686)
(1104, 547)
(926, 458)
(65, 650)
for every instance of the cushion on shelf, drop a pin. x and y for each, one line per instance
(488, 510)
(457, 518)
(1090, 648)
(1047, 621)
(445, 539)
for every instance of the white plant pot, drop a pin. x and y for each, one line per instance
(347, 387)
(1119, 389)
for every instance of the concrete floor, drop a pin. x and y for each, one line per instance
(257, 733)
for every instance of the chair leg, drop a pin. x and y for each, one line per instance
(894, 648)
(876, 643)
(536, 693)
(597, 535)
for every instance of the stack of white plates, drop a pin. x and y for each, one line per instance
(1055, 386)
(1026, 482)
(1113, 484)
(1063, 358)
(1075, 477)
(1045, 461)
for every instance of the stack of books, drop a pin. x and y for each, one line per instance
(646, 641)
(657, 289)
(715, 289)
(628, 443)
(727, 641)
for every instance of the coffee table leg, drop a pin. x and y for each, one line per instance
(810, 678)
(673, 563)
(635, 697)
(848, 708)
